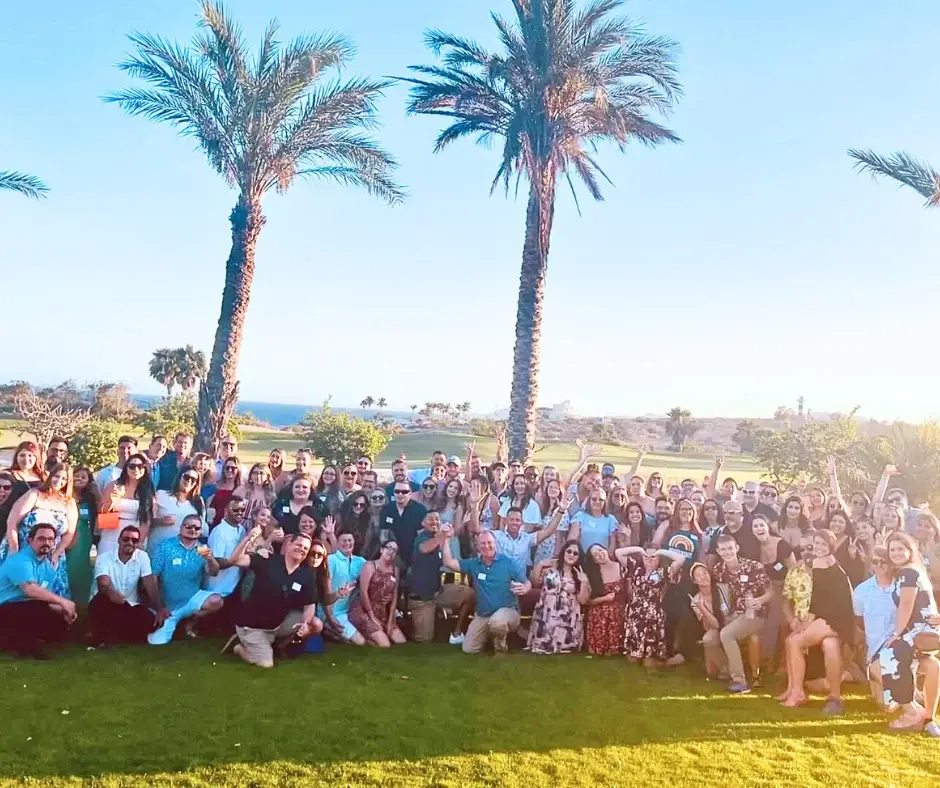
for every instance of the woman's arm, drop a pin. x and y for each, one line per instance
(584, 592)
(68, 535)
(535, 576)
(660, 535)
(623, 553)
(907, 595)
(586, 452)
(447, 557)
(390, 624)
(834, 489)
(549, 530)
(710, 486)
(364, 579)
(19, 510)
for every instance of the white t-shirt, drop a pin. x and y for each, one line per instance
(531, 515)
(124, 577)
(169, 504)
(222, 541)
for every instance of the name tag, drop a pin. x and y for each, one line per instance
(778, 566)
(481, 576)
(177, 562)
(286, 510)
(743, 578)
(44, 584)
(390, 520)
(296, 587)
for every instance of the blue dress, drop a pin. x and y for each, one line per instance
(60, 583)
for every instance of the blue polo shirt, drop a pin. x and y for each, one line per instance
(180, 570)
(343, 570)
(491, 583)
(24, 566)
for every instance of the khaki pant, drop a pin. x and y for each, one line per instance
(451, 596)
(258, 643)
(737, 629)
(497, 626)
(715, 654)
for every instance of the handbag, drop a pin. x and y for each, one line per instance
(108, 521)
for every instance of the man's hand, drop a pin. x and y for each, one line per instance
(329, 524)
(162, 615)
(470, 447)
(68, 610)
(517, 588)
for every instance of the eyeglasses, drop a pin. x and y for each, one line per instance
(231, 468)
(318, 554)
(6, 487)
(134, 466)
(196, 526)
(360, 504)
(377, 498)
(572, 551)
(750, 492)
(349, 473)
(188, 477)
(402, 492)
(768, 494)
(878, 562)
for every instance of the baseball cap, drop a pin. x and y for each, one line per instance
(608, 469)
(498, 464)
(453, 460)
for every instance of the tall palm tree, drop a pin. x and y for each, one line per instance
(681, 427)
(381, 403)
(28, 185)
(261, 121)
(192, 367)
(367, 402)
(165, 368)
(564, 80)
(903, 168)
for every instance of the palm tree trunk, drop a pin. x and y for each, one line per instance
(525, 360)
(219, 392)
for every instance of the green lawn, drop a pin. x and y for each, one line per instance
(422, 715)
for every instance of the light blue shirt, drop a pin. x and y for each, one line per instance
(595, 530)
(875, 606)
(180, 570)
(518, 550)
(343, 570)
(24, 566)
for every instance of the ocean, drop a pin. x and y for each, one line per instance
(279, 414)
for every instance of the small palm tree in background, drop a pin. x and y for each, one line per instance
(192, 367)
(681, 427)
(565, 80)
(367, 402)
(904, 169)
(381, 403)
(165, 369)
(28, 185)
(261, 121)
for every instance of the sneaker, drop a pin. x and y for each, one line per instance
(932, 730)
(834, 707)
(456, 639)
(738, 687)
(675, 660)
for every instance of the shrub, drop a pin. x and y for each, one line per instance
(338, 438)
(95, 444)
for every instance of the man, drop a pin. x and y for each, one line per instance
(769, 496)
(911, 514)
(345, 569)
(127, 446)
(223, 539)
(156, 452)
(517, 544)
(753, 506)
(369, 481)
(426, 593)
(452, 468)
(734, 527)
(662, 513)
(474, 465)
(30, 614)
(400, 475)
(57, 451)
(636, 493)
(182, 566)
(876, 613)
(438, 460)
(228, 448)
(498, 474)
(171, 462)
(363, 465)
(498, 583)
(403, 517)
(750, 591)
(281, 606)
(6, 490)
(515, 468)
(115, 612)
(688, 487)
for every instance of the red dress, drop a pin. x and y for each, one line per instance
(220, 501)
(381, 593)
(605, 621)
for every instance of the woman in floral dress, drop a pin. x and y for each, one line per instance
(372, 610)
(557, 624)
(645, 617)
(604, 614)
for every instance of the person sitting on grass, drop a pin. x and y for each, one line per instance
(115, 612)
(182, 564)
(281, 606)
(30, 614)
(345, 569)
(426, 592)
(373, 610)
(498, 583)
(710, 604)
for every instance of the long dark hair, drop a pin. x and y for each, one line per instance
(321, 573)
(510, 493)
(459, 501)
(593, 572)
(90, 496)
(703, 521)
(195, 498)
(144, 492)
(350, 522)
(803, 520)
(849, 525)
(560, 562)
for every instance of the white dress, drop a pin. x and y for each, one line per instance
(169, 504)
(127, 515)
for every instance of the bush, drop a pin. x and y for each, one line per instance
(95, 444)
(339, 438)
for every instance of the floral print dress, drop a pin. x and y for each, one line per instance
(645, 630)
(604, 630)
(557, 625)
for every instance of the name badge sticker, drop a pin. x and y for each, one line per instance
(286, 510)
(44, 584)
(296, 587)
(390, 520)
(743, 578)
(481, 576)
(177, 562)
(778, 566)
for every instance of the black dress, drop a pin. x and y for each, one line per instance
(832, 601)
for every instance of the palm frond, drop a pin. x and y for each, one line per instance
(27, 185)
(377, 182)
(903, 168)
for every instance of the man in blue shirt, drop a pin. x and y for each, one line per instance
(498, 581)
(182, 565)
(30, 614)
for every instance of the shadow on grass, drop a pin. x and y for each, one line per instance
(182, 707)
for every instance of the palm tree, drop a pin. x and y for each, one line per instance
(564, 81)
(413, 409)
(261, 121)
(367, 402)
(192, 366)
(28, 185)
(744, 435)
(382, 402)
(681, 426)
(165, 368)
(903, 168)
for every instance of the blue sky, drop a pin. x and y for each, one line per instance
(729, 274)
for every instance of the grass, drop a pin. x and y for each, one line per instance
(422, 715)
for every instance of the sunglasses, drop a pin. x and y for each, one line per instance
(768, 494)
(360, 504)
(196, 526)
(572, 552)
(130, 539)
(6, 487)
(377, 498)
(318, 553)
(878, 562)
(190, 478)
(402, 492)
(134, 466)
(349, 473)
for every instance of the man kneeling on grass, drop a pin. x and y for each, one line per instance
(30, 614)
(498, 582)
(281, 606)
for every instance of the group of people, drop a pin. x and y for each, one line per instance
(742, 579)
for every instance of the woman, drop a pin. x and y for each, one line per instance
(866, 539)
(710, 606)
(224, 490)
(287, 508)
(817, 512)
(928, 543)
(329, 490)
(617, 500)
(847, 552)
(78, 560)
(354, 518)
(271, 538)
(794, 524)
(829, 624)
(776, 555)
(349, 479)
(654, 485)
(551, 498)
(372, 612)
(276, 464)
(680, 533)
(518, 495)
(487, 503)
(131, 496)
(52, 503)
(427, 496)
(451, 507)
(557, 625)
(257, 491)
(378, 531)
(916, 604)
(892, 519)
(592, 525)
(173, 506)
(27, 470)
(859, 504)
(635, 524)
(205, 467)
(604, 616)
(711, 519)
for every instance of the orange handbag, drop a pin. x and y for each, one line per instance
(108, 521)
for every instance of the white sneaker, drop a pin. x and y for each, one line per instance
(455, 640)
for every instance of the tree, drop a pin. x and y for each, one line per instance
(165, 369)
(681, 426)
(339, 438)
(783, 413)
(191, 364)
(170, 416)
(261, 121)
(744, 435)
(46, 418)
(382, 403)
(914, 450)
(27, 185)
(367, 402)
(800, 403)
(413, 409)
(93, 445)
(564, 81)
(904, 169)
(111, 402)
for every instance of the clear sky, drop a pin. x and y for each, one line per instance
(728, 275)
